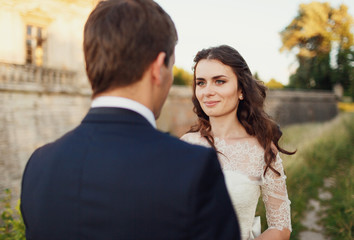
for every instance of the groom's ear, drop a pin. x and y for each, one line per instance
(156, 68)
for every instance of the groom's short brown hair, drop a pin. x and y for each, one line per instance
(122, 38)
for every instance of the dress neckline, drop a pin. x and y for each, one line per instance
(252, 143)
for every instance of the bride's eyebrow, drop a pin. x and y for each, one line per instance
(215, 77)
(219, 76)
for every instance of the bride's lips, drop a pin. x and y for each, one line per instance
(210, 103)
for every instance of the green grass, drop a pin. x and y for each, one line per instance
(324, 150)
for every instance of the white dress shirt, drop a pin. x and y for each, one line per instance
(126, 103)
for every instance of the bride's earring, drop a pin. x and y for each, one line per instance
(241, 97)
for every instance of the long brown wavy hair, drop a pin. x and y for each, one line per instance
(250, 110)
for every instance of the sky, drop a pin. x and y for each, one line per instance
(252, 27)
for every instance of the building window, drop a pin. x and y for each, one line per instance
(35, 45)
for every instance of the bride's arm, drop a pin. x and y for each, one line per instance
(277, 204)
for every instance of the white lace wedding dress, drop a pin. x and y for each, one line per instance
(243, 166)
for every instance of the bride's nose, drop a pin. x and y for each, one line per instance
(209, 90)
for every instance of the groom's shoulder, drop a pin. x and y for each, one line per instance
(52, 146)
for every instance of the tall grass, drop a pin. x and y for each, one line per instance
(324, 150)
(340, 209)
(11, 223)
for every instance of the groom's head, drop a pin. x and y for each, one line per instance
(122, 38)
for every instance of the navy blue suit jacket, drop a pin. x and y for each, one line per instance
(116, 177)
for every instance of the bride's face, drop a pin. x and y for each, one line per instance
(216, 88)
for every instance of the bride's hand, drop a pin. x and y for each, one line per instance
(274, 234)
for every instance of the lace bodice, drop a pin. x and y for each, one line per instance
(243, 166)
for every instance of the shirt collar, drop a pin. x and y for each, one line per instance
(126, 103)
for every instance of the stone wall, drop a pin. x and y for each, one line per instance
(31, 118)
(290, 107)
(284, 106)
(177, 114)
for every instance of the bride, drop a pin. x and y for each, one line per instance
(229, 104)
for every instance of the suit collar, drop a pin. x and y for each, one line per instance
(121, 102)
(113, 114)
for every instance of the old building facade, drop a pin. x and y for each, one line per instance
(44, 38)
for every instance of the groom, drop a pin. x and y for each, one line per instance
(115, 176)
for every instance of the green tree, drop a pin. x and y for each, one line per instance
(314, 33)
(256, 76)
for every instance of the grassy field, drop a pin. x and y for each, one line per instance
(324, 150)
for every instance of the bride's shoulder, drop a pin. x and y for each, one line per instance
(195, 138)
(191, 137)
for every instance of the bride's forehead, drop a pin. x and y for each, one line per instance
(212, 67)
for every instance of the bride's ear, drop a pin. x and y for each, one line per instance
(157, 65)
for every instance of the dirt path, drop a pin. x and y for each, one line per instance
(315, 231)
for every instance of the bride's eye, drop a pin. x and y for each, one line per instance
(200, 83)
(220, 82)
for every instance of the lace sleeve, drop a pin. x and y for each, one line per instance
(275, 197)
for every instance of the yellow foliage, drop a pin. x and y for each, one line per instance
(346, 107)
(316, 27)
(181, 76)
(342, 24)
(274, 84)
